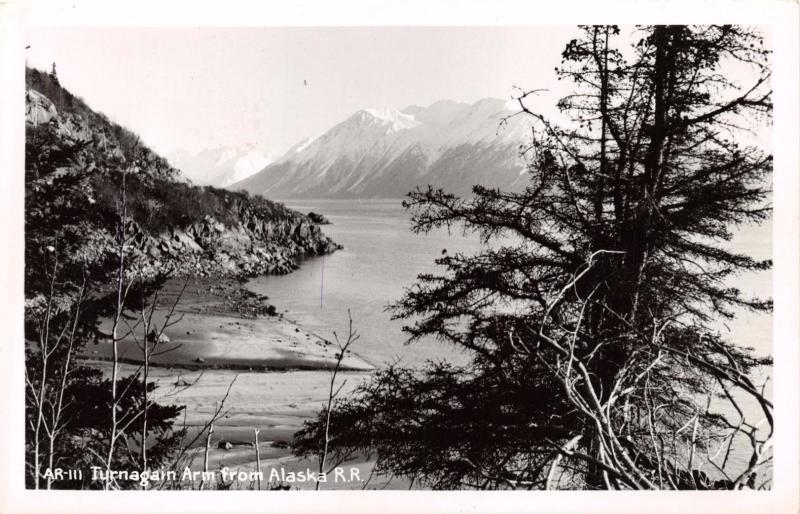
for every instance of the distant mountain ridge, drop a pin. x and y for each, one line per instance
(385, 153)
(219, 167)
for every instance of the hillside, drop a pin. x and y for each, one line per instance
(386, 153)
(78, 159)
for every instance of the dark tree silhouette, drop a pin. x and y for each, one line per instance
(589, 315)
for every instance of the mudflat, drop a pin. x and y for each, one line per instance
(218, 323)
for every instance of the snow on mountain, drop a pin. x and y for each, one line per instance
(301, 145)
(219, 167)
(385, 153)
(396, 120)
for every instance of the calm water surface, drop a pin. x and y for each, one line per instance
(381, 257)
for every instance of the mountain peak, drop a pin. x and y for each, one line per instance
(384, 153)
(387, 116)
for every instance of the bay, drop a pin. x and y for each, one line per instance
(382, 257)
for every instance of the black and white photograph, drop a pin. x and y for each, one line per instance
(275, 259)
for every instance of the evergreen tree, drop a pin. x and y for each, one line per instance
(590, 314)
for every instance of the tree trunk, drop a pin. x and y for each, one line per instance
(258, 457)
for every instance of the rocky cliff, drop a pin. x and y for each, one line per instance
(254, 246)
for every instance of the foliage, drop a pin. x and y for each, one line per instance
(88, 401)
(589, 314)
(158, 205)
(71, 106)
(461, 417)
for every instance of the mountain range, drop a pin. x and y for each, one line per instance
(385, 153)
(219, 167)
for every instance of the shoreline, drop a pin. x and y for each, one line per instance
(220, 324)
(96, 360)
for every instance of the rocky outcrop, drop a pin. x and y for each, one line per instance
(253, 247)
(156, 338)
(38, 108)
(318, 219)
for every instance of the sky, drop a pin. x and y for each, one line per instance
(270, 88)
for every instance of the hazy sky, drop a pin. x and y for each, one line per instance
(187, 88)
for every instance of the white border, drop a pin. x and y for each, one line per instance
(780, 16)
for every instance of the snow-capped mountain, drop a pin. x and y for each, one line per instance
(386, 153)
(219, 167)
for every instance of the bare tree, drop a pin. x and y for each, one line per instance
(56, 350)
(258, 456)
(209, 428)
(127, 276)
(623, 464)
(152, 339)
(122, 289)
(343, 346)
